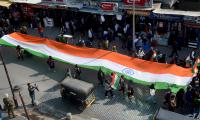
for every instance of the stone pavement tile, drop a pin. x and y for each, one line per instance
(116, 108)
(119, 108)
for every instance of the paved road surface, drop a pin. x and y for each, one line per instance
(35, 70)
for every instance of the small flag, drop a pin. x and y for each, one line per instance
(195, 67)
(115, 81)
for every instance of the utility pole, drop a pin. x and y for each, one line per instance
(133, 9)
(24, 106)
(18, 89)
(8, 77)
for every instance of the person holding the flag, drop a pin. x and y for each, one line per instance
(101, 76)
(122, 84)
(130, 91)
(108, 89)
(114, 80)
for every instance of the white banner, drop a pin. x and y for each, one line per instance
(48, 22)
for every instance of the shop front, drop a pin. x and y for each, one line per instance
(141, 11)
(167, 27)
(192, 31)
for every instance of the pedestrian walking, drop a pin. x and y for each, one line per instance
(31, 90)
(138, 44)
(172, 103)
(152, 91)
(130, 45)
(23, 30)
(1, 109)
(114, 48)
(180, 98)
(51, 63)
(9, 106)
(196, 105)
(90, 35)
(77, 71)
(41, 31)
(68, 73)
(122, 84)
(195, 83)
(108, 89)
(19, 52)
(106, 44)
(130, 91)
(193, 55)
(189, 98)
(174, 49)
(167, 97)
(101, 76)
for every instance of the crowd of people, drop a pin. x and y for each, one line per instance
(105, 32)
(187, 100)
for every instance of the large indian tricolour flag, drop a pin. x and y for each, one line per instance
(164, 76)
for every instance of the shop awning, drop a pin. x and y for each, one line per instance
(101, 12)
(27, 1)
(144, 11)
(176, 12)
(5, 3)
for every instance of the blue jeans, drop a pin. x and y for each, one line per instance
(41, 34)
(195, 112)
(151, 99)
(32, 99)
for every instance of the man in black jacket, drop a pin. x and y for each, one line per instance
(101, 76)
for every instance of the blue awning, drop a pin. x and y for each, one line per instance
(98, 11)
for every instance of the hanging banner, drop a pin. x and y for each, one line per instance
(108, 6)
(48, 22)
(138, 2)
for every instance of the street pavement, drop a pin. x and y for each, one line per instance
(35, 70)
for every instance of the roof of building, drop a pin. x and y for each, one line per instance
(177, 12)
(188, 5)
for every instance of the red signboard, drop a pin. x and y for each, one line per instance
(108, 6)
(137, 2)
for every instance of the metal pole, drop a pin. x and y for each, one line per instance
(24, 106)
(133, 9)
(7, 75)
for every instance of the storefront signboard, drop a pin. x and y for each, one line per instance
(48, 22)
(191, 21)
(143, 3)
(139, 12)
(166, 17)
(109, 6)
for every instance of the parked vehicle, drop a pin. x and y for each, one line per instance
(79, 92)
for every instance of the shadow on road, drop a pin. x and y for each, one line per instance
(56, 108)
(54, 88)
